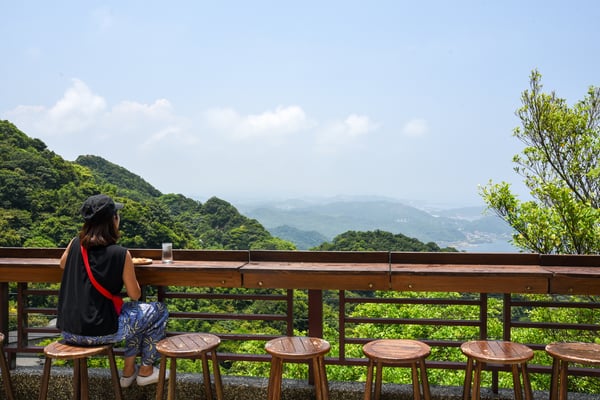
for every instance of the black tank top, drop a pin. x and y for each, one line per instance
(82, 310)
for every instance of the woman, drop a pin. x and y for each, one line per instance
(86, 316)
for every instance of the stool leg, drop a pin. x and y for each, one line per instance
(415, 382)
(83, 379)
(369, 382)
(160, 386)
(477, 381)
(5, 375)
(274, 389)
(424, 380)
(324, 381)
(114, 374)
(378, 379)
(564, 366)
(468, 379)
(526, 382)
(172, 379)
(321, 386)
(76, 379)
(517, 382)
(206, 374)
(554, 379)
(217, 374)
(45, 379)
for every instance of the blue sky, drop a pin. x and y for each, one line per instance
(274, 99)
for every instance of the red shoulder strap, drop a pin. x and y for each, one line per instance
(100, 288)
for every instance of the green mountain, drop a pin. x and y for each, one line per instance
(41, 193)
(304, 240)
(378, 240)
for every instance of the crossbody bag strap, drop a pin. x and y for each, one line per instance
(99, 287)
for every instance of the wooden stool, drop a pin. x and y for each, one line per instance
(79, 355)
(563, 354)
(190, 345)
(5, 375)
(297, 348)
(482, 352)
(397, 352)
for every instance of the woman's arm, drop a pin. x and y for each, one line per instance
(65, 254)
(131, 283)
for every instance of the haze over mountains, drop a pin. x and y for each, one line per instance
(309, 222)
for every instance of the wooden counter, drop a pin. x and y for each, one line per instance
(317, 270)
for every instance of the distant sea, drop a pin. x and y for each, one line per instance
(498, 246)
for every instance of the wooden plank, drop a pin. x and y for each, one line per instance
(570, 260)
(470, 278)
(572, 285)
(30, 270)
(195, 255)
(191, 273)
(464, 258)
(323, 276)
(469, 283)
(320, 257)
(574, 280)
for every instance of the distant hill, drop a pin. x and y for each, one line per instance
(40, 196)
(135, 186)
(304, 240)
(463, 228)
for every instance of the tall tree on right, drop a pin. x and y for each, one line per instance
(560, 166)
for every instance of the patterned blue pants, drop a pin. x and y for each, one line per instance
(141, 325)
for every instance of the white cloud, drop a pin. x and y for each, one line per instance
(74, 112)
(415, 127)
(273, 124)
(343, 133)
(81, 114)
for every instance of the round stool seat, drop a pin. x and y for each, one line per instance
(581, 353)
(397, 352)
(294, 347)
(8, 391)
(79, 354)
(297, 348)
(481, 352)
(189, 345)
(495, 351)
(64, 351)
(563, 354)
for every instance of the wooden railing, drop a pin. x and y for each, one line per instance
(346, 279)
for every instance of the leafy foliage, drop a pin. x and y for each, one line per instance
(561, 167)
(378, 241)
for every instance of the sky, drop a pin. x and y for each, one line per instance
(270, 100)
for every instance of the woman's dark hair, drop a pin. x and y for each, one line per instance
(100, 231)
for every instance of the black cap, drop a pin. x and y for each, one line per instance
(99, 204)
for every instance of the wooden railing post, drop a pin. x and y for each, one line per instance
(315, 321)
(4, 318)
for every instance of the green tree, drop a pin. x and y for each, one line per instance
(378, 240)
(560, 166)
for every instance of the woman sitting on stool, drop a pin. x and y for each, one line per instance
(88, 317)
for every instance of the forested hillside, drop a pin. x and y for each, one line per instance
(377, 240)
(40, 196)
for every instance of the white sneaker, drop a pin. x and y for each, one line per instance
(150, 379)
(126, 381)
